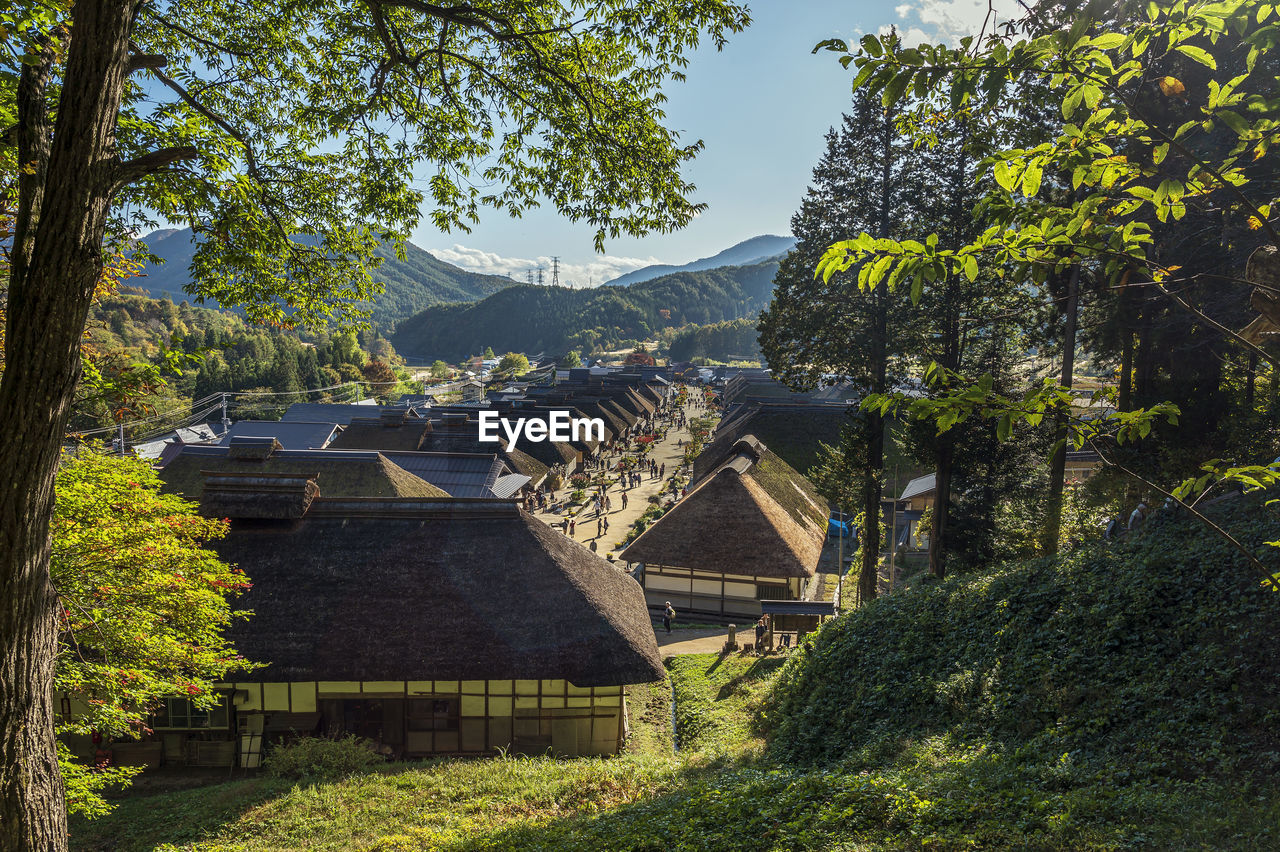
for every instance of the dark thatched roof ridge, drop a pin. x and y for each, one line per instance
(434, 590)
(338, 474)
(369, 434)
(791, 432)
(753, 515)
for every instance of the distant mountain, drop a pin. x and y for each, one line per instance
(745, 253)
(412, 284)
(529, 318)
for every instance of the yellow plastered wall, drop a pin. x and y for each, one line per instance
(530, 715)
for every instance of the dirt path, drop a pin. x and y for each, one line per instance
(691, 641)
(668, 451)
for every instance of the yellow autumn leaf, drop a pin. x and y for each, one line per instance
(1254, 223)
(1172, 87)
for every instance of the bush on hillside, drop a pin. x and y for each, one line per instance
(312, 757)
(1154, 657)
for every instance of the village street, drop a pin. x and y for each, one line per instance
(668, 451)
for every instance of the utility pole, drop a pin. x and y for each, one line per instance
(121, 437)
(555, 271)
(529, 273)
(226, 421)
(540, 280)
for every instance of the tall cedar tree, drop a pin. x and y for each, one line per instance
(287, 135)
(969, 327)
(869, 180)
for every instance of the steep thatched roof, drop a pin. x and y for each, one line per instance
(337, 474)
(613, 419)
(434, 590)
(379, 434)
(792, 432)
(752, 515)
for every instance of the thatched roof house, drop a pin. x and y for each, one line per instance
(752, 515)
(434, 590)
(792, 432)
(336, 474)
(751, 529)
(451, 433)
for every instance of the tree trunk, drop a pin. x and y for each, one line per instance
(872, 484)
(1058, 466)
(1145, 356)
(941, 507)
(1251, 380)
(1125, 399)
(58, 248)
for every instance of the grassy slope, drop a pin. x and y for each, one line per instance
(1106, 700)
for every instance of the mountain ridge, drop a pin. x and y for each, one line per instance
(750, 251)
(411, 284)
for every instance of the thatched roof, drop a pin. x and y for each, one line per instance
(255, 494)
(337, 474)
(378, 434)
(434, 590)
(792, 432)
(752, 515)
(613, 419)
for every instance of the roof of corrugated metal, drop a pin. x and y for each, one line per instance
(460, 474)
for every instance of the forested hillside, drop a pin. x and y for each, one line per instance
(720, 341)
(218, 351)
(552, 319)
(412, 283)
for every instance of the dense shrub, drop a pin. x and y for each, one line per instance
(317, 758)
(1155, 657)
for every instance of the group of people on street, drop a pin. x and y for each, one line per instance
(601, 502)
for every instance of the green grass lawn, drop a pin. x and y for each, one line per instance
(716, 699)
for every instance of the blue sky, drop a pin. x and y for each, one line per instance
(761, 106)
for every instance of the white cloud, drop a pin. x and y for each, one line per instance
(594, 272)
(949, 20)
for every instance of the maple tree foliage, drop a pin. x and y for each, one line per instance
(143, 600)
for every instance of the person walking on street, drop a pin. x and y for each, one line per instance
(605, 522)
(662, 470)
(624, 501)
(667, 615)
(573, 526)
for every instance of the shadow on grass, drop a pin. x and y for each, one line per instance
(758, 670)
(143, 818)
(939, 796)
